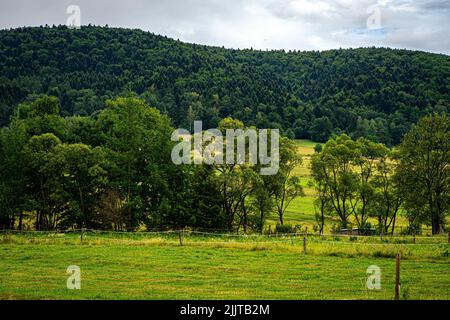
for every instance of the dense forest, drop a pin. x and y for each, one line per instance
(86, 118)
(369, 92)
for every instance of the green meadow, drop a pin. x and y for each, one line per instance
(205, 266)
(159, 267)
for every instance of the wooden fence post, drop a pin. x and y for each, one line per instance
(397, 277)
(304, 245)
(6, 235)
(181, 237)
(414, 238)
(81, 235)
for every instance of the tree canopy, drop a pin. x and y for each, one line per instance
(368, 92)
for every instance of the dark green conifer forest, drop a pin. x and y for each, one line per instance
(368, 92)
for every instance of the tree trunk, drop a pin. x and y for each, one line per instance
(20, 220)
(261, 217)
(435, 223)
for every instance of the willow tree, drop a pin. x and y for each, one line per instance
(337, 182)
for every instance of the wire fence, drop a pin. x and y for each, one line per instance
(186, 234)
(418, 252)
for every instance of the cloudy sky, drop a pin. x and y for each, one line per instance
(261, 24)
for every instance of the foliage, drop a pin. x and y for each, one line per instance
(424, 171)
(376, 93)
(286, 228)
(114, 171)
(364, 179)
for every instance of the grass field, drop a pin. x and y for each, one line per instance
(301, 211)
(158, 267)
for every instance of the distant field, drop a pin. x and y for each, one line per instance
(159, 268)
(301, 211)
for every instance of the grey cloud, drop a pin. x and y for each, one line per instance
(437, 5)
(273, 24)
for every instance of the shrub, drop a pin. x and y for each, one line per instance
(318, 148)
(286, 228)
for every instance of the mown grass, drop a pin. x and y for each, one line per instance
(206, 267)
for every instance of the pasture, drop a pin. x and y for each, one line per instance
(195, 265)
(157, 266)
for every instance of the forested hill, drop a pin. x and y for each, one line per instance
(370, 92)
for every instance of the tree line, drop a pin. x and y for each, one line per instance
(113, 171)
(362, 179)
